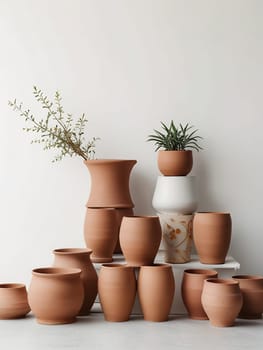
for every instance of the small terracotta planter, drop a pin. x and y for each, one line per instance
(192, 287)
(56, 294)
(212, 236)
(156, 289)
(120, 213)
(222, 301)
(13, 301)
(117, 290)
(80, 258)
(140, 238)
(175, 163)
(252, 290)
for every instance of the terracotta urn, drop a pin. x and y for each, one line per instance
(101, 233)
(175, 194)
(175, 163)
(212, 236)
(120, 213)
(140, 238)
(80, 258)
(156, 288)
(56, 294)
(13, 301)
(252, 290)
(110, 183)
(222, 301)
(117, 291)
(192, 287)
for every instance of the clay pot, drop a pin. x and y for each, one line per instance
(252, 290)
(13, 301)
(156, 289)
(110, 183)
(117, 290)
(56, 294)
(101, 233)
(212, 236)
(80, 258)
(140, 237)
(175, 194)
(120, 213)
(177, 237)
(222, 301)
(192, 287)
(175, 163)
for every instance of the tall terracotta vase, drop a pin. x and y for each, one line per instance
(222, 301)
(212, 236)
(156, 289)
(192, 287)
(140, 237)
(117, 290)
(80, 258)
(13, 301)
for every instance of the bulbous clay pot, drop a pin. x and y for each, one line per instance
(212, 236)
(110, 183)
(13, 301)
(140, 237)
(222, 301)
(117, 291)
(101, 233)
(252, 290)
(120, 213)
(156, 289)
(56, 294)
(192, 287)
(175, 163)
(80, 258)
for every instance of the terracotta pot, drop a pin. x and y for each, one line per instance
(156, 289)
(80, 258)
(101, 233)
(175, 163)
(192, 287)
(110, 183)
(117, 290)
(175, 194)
(212, 236)
(121, 212)
(13, 301)
(252, 290)
(140, 237)
(56, 294)
(177, 237)
(222, 301)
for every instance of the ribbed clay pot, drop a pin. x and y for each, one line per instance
(175, 163)
(101, 233)
(56, 294)
(156, 287)
(140, 238)
(80, 258)
(192, 287)
(117, 291)
(110, 183)
(212, 236)
(13, 301)
(252, 290)
(120, 213)
(222, 301)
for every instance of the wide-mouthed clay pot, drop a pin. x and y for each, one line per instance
(13, 301)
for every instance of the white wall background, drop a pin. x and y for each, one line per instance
(130, 64)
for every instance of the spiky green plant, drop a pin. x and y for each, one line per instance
(173, 138)
(57, 129)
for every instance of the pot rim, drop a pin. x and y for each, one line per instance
(141, 217)
(200, 272)
(154, 266)
(109, 160)
(222, 281)
(11, 285)
(70, 251)
(116, 266)
(174, 150)
(211, 213)
(247, 277)
(56, 271)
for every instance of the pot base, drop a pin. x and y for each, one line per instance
(200, 318)
(50, 322)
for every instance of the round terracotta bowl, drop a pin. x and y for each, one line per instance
(13, 301)
(175, 163)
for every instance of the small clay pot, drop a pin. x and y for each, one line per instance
(222, 301)
(252, 290)
(13, 301)
(117, 291)
(156, 288)
(56, 294)
(120, 213)
(80, 258)
(175, 163)
(192, 287)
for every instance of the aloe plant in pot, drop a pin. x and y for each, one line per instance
(174, 145)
